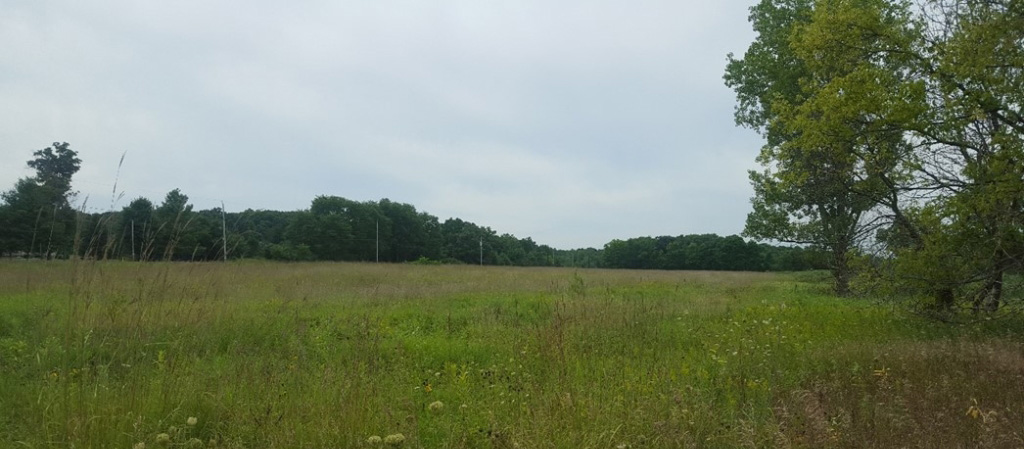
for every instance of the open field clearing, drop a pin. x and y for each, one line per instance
(267, 355)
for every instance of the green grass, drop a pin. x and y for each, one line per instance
(265, 355)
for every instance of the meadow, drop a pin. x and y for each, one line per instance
(346, 355)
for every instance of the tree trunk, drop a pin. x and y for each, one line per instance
(997, 293)
(944, 298)
(840, 268)
(991, 295)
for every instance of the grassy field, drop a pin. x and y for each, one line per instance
(264, 355)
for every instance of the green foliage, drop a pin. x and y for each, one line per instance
(54, 168)
(808, 192)
(707, 252)
(36, 216)
(138, 220)
(909, 113)
(336, 229)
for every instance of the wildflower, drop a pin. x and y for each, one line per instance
(192, 420)
(373, 440)
(436, 406)
(974, 411)
(394, 439)
(428, 388)
(163, 439)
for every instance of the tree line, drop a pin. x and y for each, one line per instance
(708, 252)
(894, 140)
(38, 220)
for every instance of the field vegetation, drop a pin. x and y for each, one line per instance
(339, 355)
(893, 157)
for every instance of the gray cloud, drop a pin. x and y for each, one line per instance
(569, 122)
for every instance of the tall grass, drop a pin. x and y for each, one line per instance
(327, 355)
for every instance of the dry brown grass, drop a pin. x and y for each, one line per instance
(933, 394)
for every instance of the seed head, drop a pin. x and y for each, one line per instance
(192, 420)
(436, 406)
(373, 440)
(163, 439)
(394, 439)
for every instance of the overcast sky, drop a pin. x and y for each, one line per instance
(571, 122)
